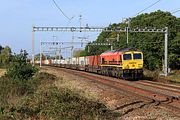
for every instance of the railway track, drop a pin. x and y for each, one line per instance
(168, 86)
(162, 94)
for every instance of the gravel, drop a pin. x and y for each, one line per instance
(130, 107)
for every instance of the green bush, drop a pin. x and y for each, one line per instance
(21, 72)
(11, 88)
(17, 89)
(151, 75)
(54, 103)
(19, 69)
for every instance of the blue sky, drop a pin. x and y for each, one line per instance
(18, 16)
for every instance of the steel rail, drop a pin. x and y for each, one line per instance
(161, 99)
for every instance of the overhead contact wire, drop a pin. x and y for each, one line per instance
(175, 11)
(61, 10)
(148, 7)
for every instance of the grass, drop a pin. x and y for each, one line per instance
(54, 103)
(13, 90)
(173, 77)
(38, 98)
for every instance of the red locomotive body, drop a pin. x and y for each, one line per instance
(111, 58)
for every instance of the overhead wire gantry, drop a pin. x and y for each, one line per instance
(104, 29)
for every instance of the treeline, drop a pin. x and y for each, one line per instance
(5, 56)
(152, 44)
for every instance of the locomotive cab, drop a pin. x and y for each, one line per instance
(132, 60)
(126, 63)
(132, 64)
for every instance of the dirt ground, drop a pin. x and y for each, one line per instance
(2, 72)
(130, 107)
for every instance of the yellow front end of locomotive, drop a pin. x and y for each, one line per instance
(132, 60)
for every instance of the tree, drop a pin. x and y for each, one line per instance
(78, 53)
(1, 48)
(152, 44)
(37, 57)
(19, 68)
(5, 56)
(174, 54)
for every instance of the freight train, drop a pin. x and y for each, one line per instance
(122, 63)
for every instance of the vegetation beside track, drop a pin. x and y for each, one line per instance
(27, 93)
(62, 103)
(173, 77)
(38, 98)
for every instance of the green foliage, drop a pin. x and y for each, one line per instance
(152, 44)
(5, 56)
(45, 76)
(1, 48)
(62, 104)
(12, 90)
(19, 69)
(174, 55)
(37, 57)
(79, 53)
(152, 75)
(12, 85)
(43, 101)
(82, 53)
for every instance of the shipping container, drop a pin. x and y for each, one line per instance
(48, 62)
(67, 61)
(74, 61)
(93, 60)
(62, 61)
(82, 61)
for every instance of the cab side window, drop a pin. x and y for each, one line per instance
(103, 60)
(120, 58)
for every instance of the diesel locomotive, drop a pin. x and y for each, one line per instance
(122, 63)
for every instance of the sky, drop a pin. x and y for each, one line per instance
(18, 16)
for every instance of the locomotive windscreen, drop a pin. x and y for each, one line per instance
(127, 57)
(137, 56)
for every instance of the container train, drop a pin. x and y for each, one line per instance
(122, 63)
